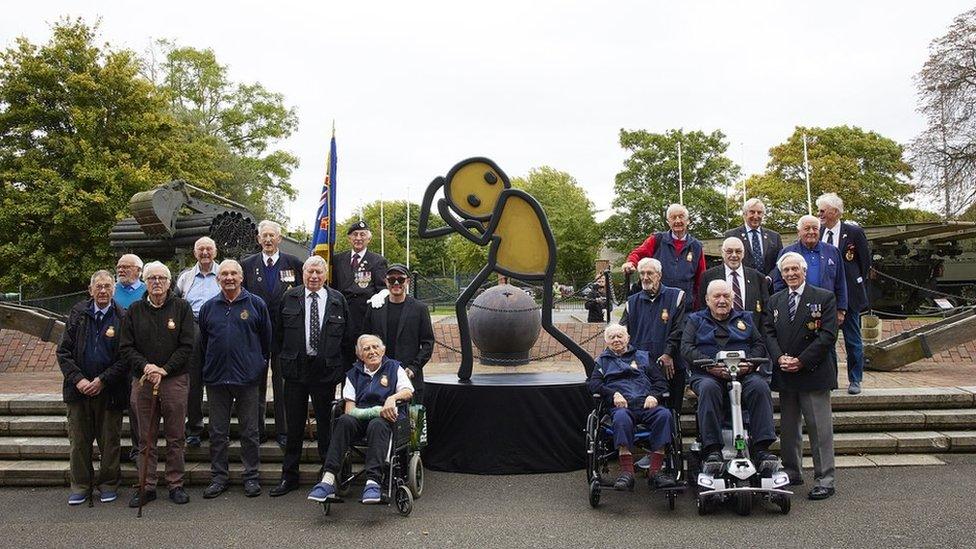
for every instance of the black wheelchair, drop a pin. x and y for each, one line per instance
(403, 474)
(600, 450)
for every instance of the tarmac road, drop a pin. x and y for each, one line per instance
(877, 507)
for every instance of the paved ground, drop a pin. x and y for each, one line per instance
(890, 507)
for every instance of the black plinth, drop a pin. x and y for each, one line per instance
(501, 424)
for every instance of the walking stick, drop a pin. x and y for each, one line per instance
(145, 451)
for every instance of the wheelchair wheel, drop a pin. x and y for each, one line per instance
(743, 503)
(672, 495)
(704, 505)
(403, 500)
(594, 494)
(326, 507)
(345, 471)
(415, 475)
(783, 502)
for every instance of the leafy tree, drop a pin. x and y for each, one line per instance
(242, 121)
(649, 183)
(571, 218)
(427, 256)
(944, 154)
(80, 133)
(864, 168)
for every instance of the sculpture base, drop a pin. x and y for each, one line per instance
(501, 424)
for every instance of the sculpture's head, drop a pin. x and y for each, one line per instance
(473, 186)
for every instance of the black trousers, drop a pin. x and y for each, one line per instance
(278, 388)
(194, 398)
(349, 430)
(677, 388)
(297, 395)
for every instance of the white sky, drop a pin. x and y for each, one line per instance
(416, 86)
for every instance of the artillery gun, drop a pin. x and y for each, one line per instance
(167, 220)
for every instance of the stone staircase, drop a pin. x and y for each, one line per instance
(878, 427)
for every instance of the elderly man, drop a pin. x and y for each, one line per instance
(94, 389)
(129, 287)
(373, 386)
(269, 274)
(633, 390)
(404, 324)
(358, 274)
(156, 342)
(801, 330)
(853, 245)
(720, 327)
(198, 285)
(825, 268)
(680, 254)
(235, 336)
(313, 340)
(596, 300)
(762, 245)
(654, 317)
(750, 289)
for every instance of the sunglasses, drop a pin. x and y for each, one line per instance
(396, 279)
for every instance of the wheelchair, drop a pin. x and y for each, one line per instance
(737, 480)
(600, 450)
(403, 472)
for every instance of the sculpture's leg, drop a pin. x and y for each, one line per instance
(461, 308)
(547, 325)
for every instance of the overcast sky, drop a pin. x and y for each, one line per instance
(414, 87)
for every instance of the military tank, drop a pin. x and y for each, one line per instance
(167, 220)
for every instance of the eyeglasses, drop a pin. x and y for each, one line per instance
(157, 279)
(396, 279)
(126, 267)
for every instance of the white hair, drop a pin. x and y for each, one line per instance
(800, 222)
(204, 240)
(613, 329)
(365, 337)
(230, 263)
(732, 240)
(654, 263)
(715, 284)
(314, 260)
(831, 200)
(271, 224)
(675, 207)
(748, 205)
(155, 266)
(791, 256)
(135, 259)
(100, 273)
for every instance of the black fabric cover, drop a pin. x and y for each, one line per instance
(502, 424)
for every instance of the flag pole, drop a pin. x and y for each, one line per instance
(681, 188)
(382, 229)
(806, 174)
(408, 227)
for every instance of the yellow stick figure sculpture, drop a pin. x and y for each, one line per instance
(480, 204)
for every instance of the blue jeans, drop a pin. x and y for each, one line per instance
(851, 329)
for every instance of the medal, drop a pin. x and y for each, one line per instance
(849, 254)
(287, 276)
(664, 315)
(110, 332)
(741, 325)
(244, 314)
(171, 324)
(384, 381)
(688, 257)
(260, 279)
(812, 325)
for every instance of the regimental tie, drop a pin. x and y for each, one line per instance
(830, 237)
(270, 262)
(794, 298)
(355, 262)
(757, 256)
(98, 317)
(314, 325)
(736, 292)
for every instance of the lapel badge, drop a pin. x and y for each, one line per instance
(633, 365)
(759, 306)
(260, 279)
(741, 325)
(384, 381)
(849, 254)
(775, 315)
(688, 257)
(110, 332)
(664, 315)
(171, 324)
(244, 314)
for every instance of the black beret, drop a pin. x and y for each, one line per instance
(358, 226)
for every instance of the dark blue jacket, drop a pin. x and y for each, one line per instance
(679, 270)
(856, 251)
(832, 276)
(73, 352)
(631, 374)
(699, 340)
(373, 391)
(235, 338)
(655, 324)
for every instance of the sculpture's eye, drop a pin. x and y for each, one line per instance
(474, 201)
(491, 178)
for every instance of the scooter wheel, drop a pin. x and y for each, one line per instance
(743, 503)
(672, 495)
(594, 494)
(783, 502)
(704, 506)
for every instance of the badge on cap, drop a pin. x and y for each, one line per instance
(740, 325)
(244, 314)
(110, 332)
(171, 324)
(358, 226)
(664, 315)
(384, 381)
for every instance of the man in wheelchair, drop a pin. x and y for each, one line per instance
(633, 390)
(723, 327)
(373, 386)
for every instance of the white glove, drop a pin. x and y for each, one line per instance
(377, 300)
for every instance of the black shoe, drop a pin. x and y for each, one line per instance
(282, 441)
(252, 488)
(663, 479)
(134, 455)
(214, 490)
(193, 441)
(820, 492)
(178, 496)
(796, 481)
(282, 488)
(150, 495)
(624, 482)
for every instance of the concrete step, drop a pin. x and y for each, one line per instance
(53, 405)
(58, 426)
(37, 448)
(895, 442)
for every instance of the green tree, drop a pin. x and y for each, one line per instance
(649, 183)
(427, 256)
(571, 217)
(864, 168)
(80, 133)
(242, 121)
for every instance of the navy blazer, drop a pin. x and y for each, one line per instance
(832, 276)
(772, 244)
(856, 251)
(290, 275)
(809, 337)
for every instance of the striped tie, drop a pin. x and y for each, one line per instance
(757, 256)
(736, 292)
(793, 302)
